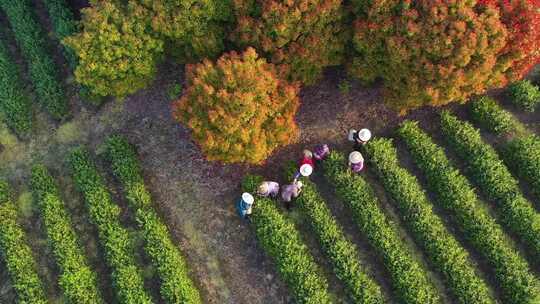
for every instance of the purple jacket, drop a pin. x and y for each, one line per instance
(289, 192)
(321, 151)
(357, 167)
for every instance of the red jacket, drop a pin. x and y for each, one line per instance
(307, 160)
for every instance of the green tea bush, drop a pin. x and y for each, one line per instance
(409, 280)
(522, 154)
(176, 286)
(490, 115)
(524, 95)
(282, 242)
(14, 102)
(17, 254)
(456, 195)
(104, 213)
(77, 279)
(489, 173)
(64, 25)
(42, 70)
(341, 252)
(444, 251)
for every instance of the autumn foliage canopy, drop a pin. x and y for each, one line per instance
(238, 108)
(432, 52)
(302, 36)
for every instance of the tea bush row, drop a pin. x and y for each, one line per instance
(410, 281)
(440, 246)
(489, 173)
(341, 252)
(17, 254)
(522, 151)
(14, 102)
(455, 194)
(104, 213)
(282, 242)
(77, 280)
(64, 25)
(176, 285)
(524, 95)
(42, 70)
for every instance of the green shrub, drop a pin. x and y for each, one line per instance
(42, 70)
(64, 25)
(104, 213)
(176, 286)
(489, 173)
(408, 278)
(524, 95)
(455, 194)
(117, 53)
(17, 254)
(13, 100)
(522, 154)
(490, 115)
(444, 251)
(341, 252)
(77, 279)
(282, 242)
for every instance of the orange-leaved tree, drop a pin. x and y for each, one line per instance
(302, 36)
(238, 109)
(428, 52)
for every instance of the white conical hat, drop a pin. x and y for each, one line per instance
(364, 134)
(356, 157)
(306, 170)
(248, 198)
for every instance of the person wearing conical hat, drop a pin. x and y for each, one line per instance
(268, 189)
(321, 151)
(359, 138)
(291, 192)
(305, 171)
(307, 158)
(356, 161)
(244, 207)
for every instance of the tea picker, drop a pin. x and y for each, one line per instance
(268, 189)
(244, 205)
(359, 138)
(356, 161)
